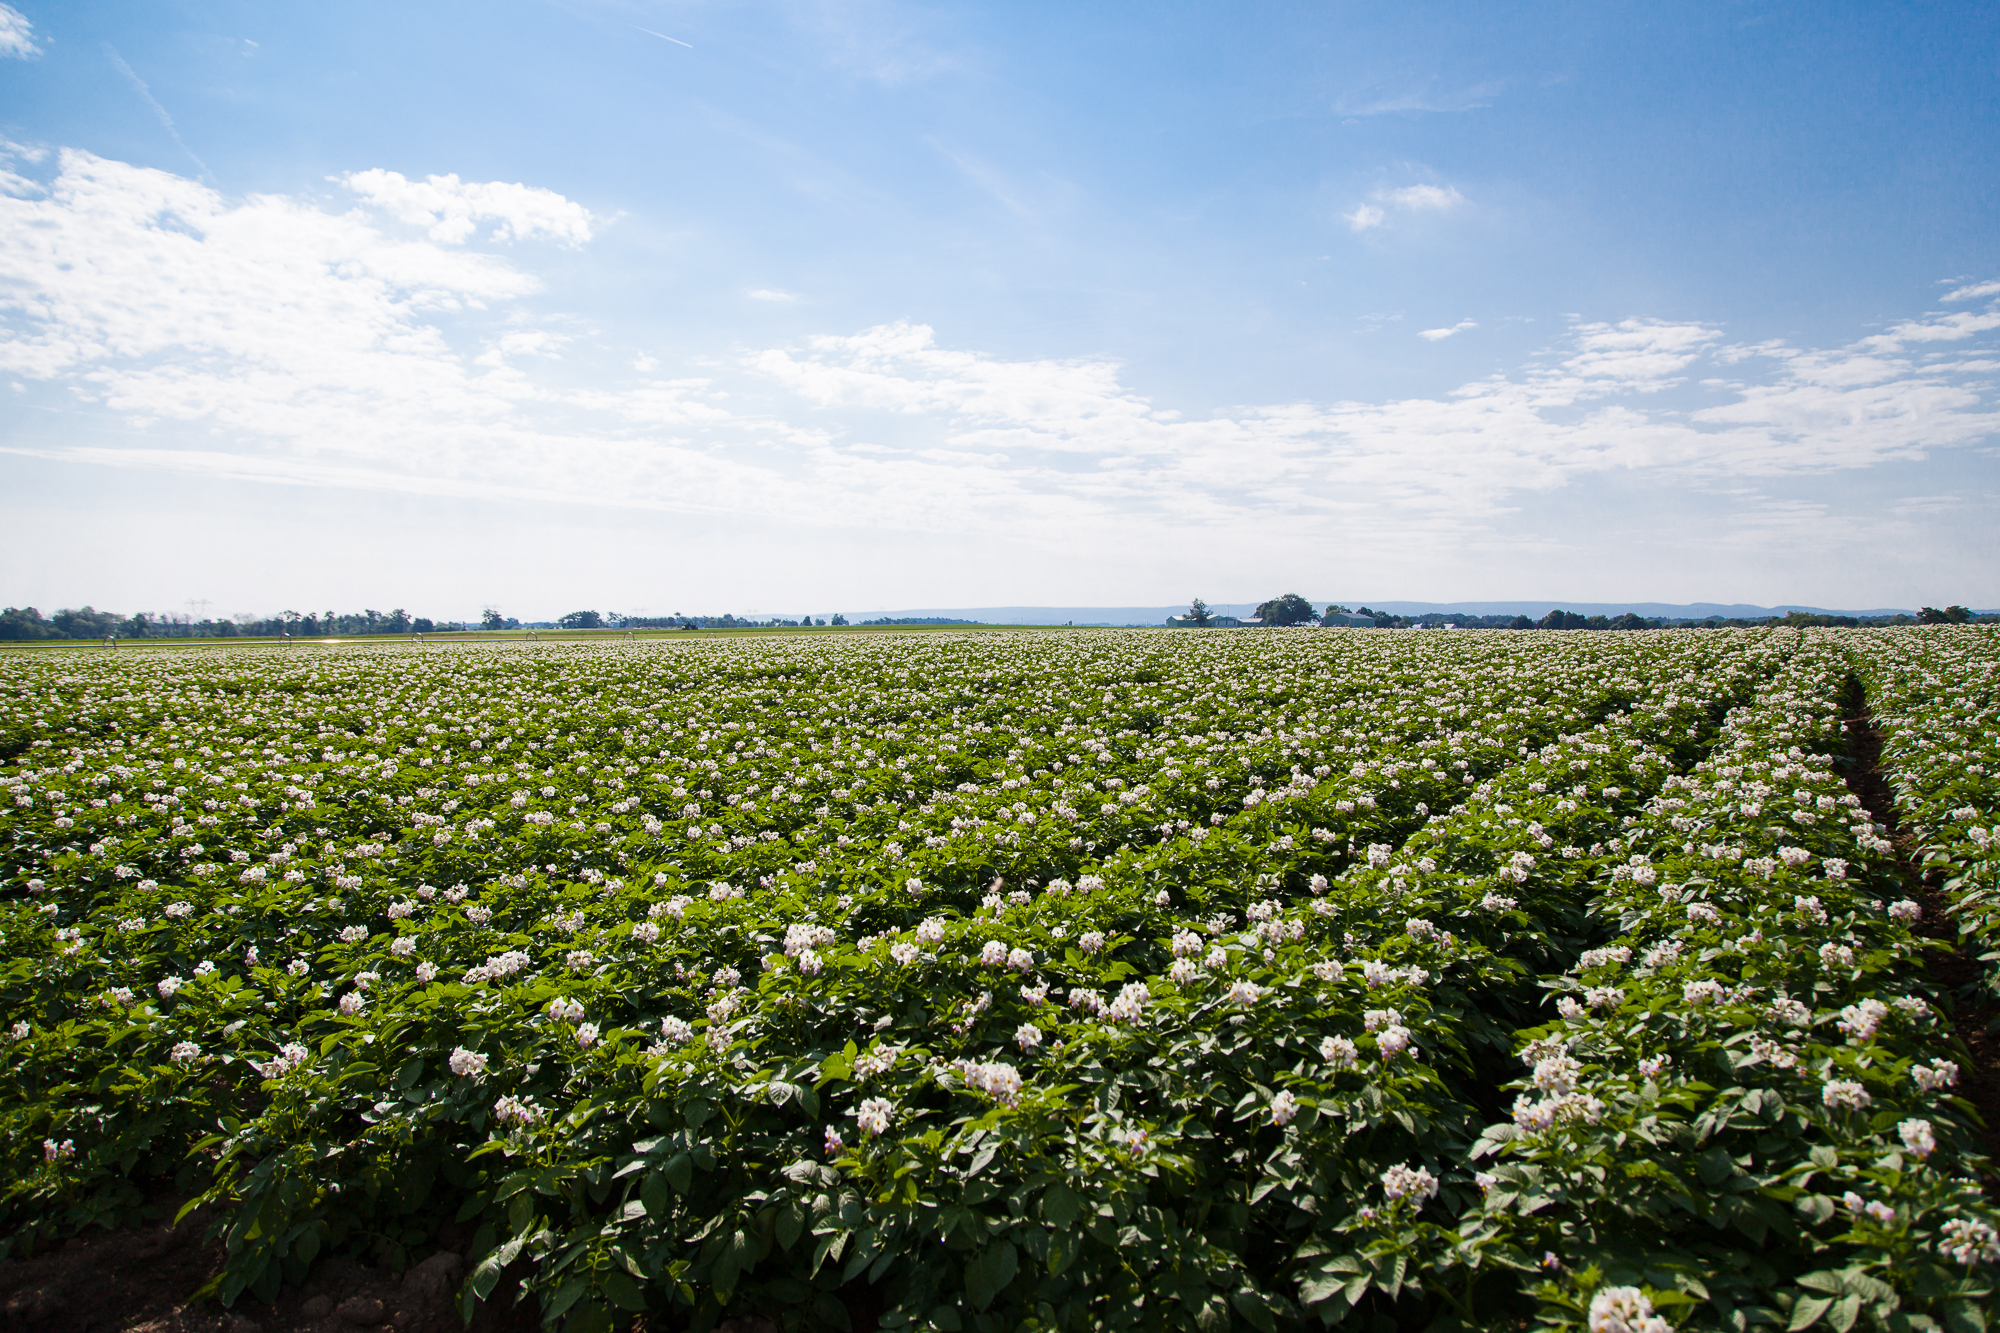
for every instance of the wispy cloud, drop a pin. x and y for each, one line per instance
(160, 112)
(17, 35)
(1408, 199)
(1439, 335)
(1376, 102)
(772, 294)
(1974, 291)
(663, 37)
(453, 209)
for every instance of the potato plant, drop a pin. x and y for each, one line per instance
(994, 981)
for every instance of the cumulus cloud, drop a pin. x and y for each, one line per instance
(1408, 199)
(17, 35)
(453, 209)
(1439, 335)
(310, 347)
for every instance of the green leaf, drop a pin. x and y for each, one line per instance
(990, 1271)
(655, 1193)
(1061, 1205)
(1842, 1316)
(1807, 1312)
(679, 1172)
(622, 1290)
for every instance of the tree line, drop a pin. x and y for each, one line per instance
(1292, 609)
(25, 623)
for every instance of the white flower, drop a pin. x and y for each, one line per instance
(565, 1010)
(1338, 1052)
(1557, 1074)
(993, 955)
(1939, 1074)
(646, 932)
(427, 972)
(1284, 1107)
(1654, 1065)
(1090, 941)
(1842, 1094)
(1027, 1036)
(903, 952)
(834, 1144)
(167, 986)
(1917, 1137)
(514, 1110)
(185, 1052)
(810, 963)
(352, 1003)
(403, 946)
(1703, 992)
(1245, 993)
(353, 934)
(586, 1034)
(1860, 1021)
(930, 931)
(1906, 910)
(1624, 1310)
(1969, 1242)
(873, 1117)
(1183, 972)
(1403, 1182)
(467, 1064)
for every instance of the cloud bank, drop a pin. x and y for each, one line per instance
(380, 348)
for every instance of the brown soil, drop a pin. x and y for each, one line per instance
(1955, 977)
(141, 1280)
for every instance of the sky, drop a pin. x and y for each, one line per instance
(806, 307)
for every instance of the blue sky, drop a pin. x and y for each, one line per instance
(848, 306)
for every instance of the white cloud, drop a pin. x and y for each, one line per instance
(1439, 335)
(1425, 198)
(1974, 291)
(453, 209)
(1405, 199)
(314, 348)
(772, 294)
(17, 35)
(1365, 216)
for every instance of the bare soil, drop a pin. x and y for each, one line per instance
(1954, 975)
(142, 1280)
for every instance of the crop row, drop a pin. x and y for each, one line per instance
(968, 983)
(1937, 699)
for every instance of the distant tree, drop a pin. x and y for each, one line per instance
(1561, 619)
(582, 620)
(423, 625)
(838, 620)
(25, 622)
(1520, 622)
(1290, 609)
(491, 618)
(1631, 620)
(85, 623)
(1930, 615)
(1197, 612)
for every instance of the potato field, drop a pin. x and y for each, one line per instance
(987, 982)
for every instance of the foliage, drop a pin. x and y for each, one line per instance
(990, 981)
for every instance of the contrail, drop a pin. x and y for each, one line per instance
(663, 37)
(139, 85)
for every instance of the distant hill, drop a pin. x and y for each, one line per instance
(1156, 615)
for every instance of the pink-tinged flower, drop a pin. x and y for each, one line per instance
(873, 1115)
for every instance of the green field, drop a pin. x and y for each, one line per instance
(1017, 980)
